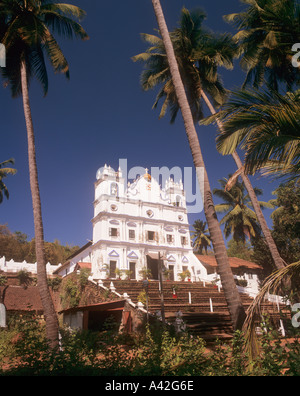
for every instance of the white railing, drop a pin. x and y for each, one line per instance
(14, 266)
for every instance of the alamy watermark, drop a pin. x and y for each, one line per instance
(296, 317)
(295, 61)
(2, 55)
(190, 179)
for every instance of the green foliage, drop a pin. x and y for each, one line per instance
(24, 351)
(71, 293)
(55, 283)
(15, 246)
(241, 282)
(25, 278)
(37, 24)
(83, 277)
(72, 290)
(239, 249)
(142, 297)
(184, 274)
(199, 52)
(4, 172)
(240, 220)
(201, 238)
(128, 274)
(267, 30)
(3, 280)
(271, 146)
(145, 273)
(286, 228)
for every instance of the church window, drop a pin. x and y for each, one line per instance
(170, 238)
(178, 200)
(131, 234)
(183, 240)
(113, 232)
(151, 235)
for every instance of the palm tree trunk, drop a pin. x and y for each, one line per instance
(48, 306)
(232, 296)
(278, 261)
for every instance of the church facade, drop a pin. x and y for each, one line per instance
(139, 226)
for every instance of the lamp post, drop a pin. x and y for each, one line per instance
(146, 287)
(162, 303)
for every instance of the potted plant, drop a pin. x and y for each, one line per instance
(188, 275)
(145, 273)
(174, 290)
(128, 273)
(214, 284)
(167, 272)
(118, 273)
(241, 282)
(184, 274)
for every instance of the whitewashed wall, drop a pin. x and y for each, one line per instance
(14, 266)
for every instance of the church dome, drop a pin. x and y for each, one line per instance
(147, 176)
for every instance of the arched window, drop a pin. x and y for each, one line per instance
(178, 200)
(114, 189)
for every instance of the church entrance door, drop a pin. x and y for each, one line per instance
(112, 269)
(132, 269)
(152, 264)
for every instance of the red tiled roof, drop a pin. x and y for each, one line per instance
(17, 298)
(234, 262)
(83, 265)
(110, 305)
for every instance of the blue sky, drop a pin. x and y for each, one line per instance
(100, 116)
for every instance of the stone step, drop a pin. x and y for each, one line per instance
(197, 316)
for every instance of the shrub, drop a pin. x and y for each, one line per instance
(157, 352)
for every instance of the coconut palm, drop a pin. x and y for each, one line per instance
(268, 29)
(266, 125)
(201, 239)
(27, 28)
(4, 172)
(231, 294)
(199, 54)
(240, 220)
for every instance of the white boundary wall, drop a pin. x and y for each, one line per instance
(14, 266)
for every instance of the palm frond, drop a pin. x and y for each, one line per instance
(199, 53)
(27, 32)
(272, 285)
(263, 123)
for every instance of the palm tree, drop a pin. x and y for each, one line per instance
(240, 220)
(26, 31)
(199, 53)
(201, 239)
(231, 293)
(266, 125)
(4, 172)
(268, 29)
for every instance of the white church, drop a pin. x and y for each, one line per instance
(137, 226)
